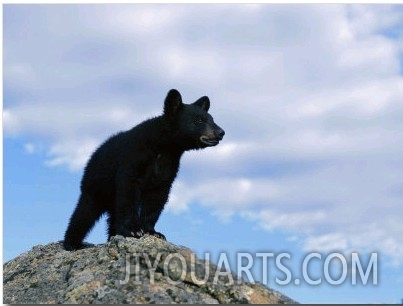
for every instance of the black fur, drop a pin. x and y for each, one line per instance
(129, 177)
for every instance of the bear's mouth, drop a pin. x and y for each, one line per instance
(209, 141)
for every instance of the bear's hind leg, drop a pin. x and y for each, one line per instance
(83, 219)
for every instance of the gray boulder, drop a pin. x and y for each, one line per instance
(125, 270)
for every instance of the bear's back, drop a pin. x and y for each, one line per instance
(119, 150)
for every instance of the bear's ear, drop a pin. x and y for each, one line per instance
(203, 102)
(173, 103)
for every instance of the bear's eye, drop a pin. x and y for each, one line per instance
(198, 120)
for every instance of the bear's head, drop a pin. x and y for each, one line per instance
(192, 126)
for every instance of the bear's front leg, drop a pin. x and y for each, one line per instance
(153, 206)
(127, 221)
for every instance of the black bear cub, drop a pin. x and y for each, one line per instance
(130, 175)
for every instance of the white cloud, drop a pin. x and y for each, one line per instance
(30, 148)
(73, 153)
(10, 122)
(327, 243)
(309, 96)
(228, 194)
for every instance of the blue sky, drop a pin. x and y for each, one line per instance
(310, 97)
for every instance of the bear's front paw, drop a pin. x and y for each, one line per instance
(157, 234)
(136, 233)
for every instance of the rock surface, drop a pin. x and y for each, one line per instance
(119, 272)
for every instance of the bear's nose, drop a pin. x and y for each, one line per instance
(220, 133)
